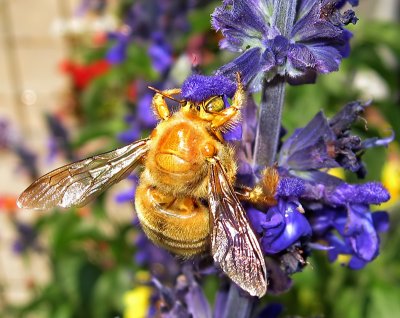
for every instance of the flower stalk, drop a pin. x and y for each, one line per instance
(269, 122)
(267, 135)
(273, 95)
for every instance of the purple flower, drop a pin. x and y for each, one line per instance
(314, 42)
(324, 143)
(26, 240)
(60, 141)
(143, 118)
(154, 23)
(351, 230)
(281, 227)
(186, 299)
(160, 53)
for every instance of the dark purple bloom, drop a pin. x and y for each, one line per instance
(60, 141)
(272, 310)
(315, 42)
(324, 143)
(27, 239)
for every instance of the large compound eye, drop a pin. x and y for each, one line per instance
(215, 104)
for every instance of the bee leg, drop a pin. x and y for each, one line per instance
(231, 114)
(160, 107)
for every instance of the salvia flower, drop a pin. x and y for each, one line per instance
(283, 225)
(314, 209)
(349, 230)
(313, 41)
(324, 143)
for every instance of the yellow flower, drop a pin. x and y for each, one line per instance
(390, 179)
(137, 301)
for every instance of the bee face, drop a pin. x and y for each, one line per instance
(186, 200)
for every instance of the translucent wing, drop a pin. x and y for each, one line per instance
(78, 183)
(233, 243)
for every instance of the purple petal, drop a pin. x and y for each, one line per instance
(256, 219)
(233, 134)
(381, 221)
(356, 263)
(284, 225)
(377, 142)
(241, 22)
(306, 148)
(361, 233)
(328, 58)
(248, 65)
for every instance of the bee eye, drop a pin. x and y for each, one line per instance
(215, 105)
(198, 108)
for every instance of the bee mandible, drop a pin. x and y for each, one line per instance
(185, 200)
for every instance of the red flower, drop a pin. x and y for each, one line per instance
(81, 74)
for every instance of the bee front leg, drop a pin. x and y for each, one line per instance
(160, 107)
(230, 115)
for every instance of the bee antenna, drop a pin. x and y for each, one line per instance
(165, 95)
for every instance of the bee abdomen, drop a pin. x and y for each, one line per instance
(180, 225)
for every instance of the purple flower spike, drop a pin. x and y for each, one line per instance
(197, 88)
(315, 43)
(367, 193)
(282, 226)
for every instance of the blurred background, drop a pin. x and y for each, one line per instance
(73, 78)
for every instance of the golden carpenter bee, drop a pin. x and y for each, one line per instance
(185, 201)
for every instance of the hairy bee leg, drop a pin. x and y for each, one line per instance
(231, 113)
(160, 107)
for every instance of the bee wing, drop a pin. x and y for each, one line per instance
(78, 183)
(233, 243)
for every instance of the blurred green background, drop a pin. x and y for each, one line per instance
(80, 263)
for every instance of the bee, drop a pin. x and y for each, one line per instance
(185, 200)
